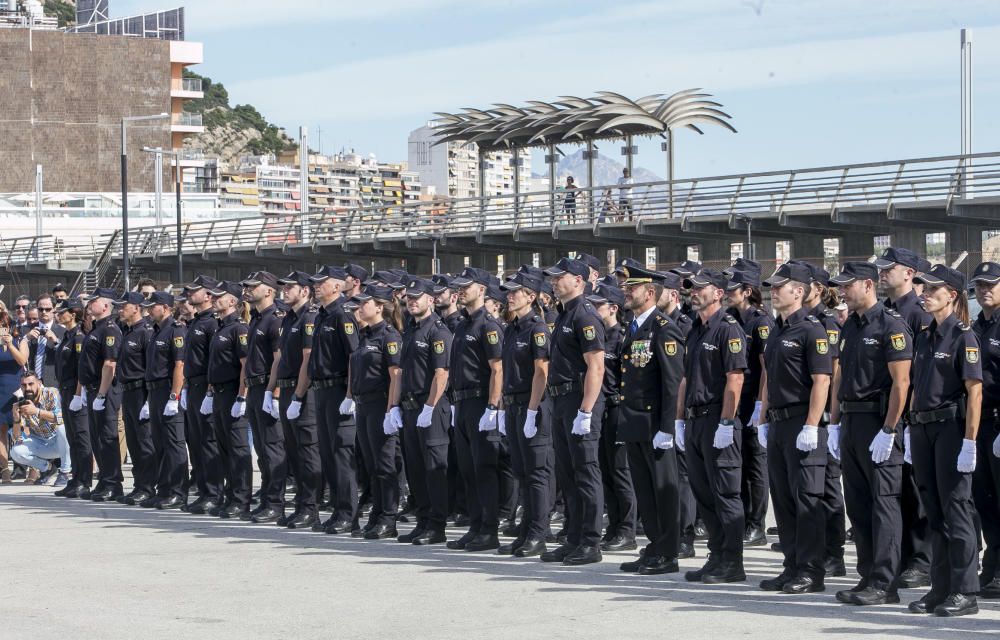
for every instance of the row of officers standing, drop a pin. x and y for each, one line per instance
(656, 399)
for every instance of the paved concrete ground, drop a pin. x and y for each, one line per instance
(109, 571)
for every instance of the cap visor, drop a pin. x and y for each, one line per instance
(415, 293)
(884, 264)
(926, 278)
(597, 299)
(775, 282)
(842, 278)
(695, 283)
(462, 282)
(510, 286)
(552, 271)
(986, 279)
(319, 277)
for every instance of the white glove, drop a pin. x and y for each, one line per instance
(239, 408)
(724, 436)
(755, 416)
(808, 438)
(294, 410)
(76, 403)
(184, 398)
(268, 405)
(144, 412)
(502, 422)
(98, 403)
(388, 428)
(170, 409)
(663, 441)
(424, 419)
(347, 407)
(996, 447)
(206, 406)
(833, 440)
(881, 446)
(967, 457)
(453, 412)
(275, 409)
(581, 424)
(396, 416)
(680, 433)
(762, 430)
(83, 394)
(530, 430)
(907, 455)
(488, 421)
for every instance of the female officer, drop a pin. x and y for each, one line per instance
(69, 314)
(944, 418)
(373, 377)
(226, 354)
(525, 359)
(747, 306)
(619, 495)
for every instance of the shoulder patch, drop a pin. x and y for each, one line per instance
(243, 339)
(439, 347)
(79, 347)
(492, 337)
(763, 331)
(310, 327)
(972, 355)
(735, 345)
(178, 341)
(392, 348)
(898, 341)
(822, 347)
(349, 328)
(833, 336)
(588, 332)
(110, 341)
(670, 348)
(540, 339)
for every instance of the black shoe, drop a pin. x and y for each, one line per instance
(76, 491)
(122, 499)
(381, 532)
(700, 530)
(913, 578)
(990, 590)
(531, 547)
(462, 520)
(686, 550)
(257, 509)
(483, 542)
(133, 499)
(358, 532)
(407, 538)
(556, 516)
(776, 547)
(619, 543)
(872, 596)
(458, 545)
(711, 564)
(957, 604)
(550, 537)
(657, 565)
(772, 531)
(777, 584)
(726, 572)
(302, 521)
(201, 507)
(834, 567)
(265, 516)
(338, 526)
(85, 494)
(849, 536)
(584, 554)
(173, 502)
(509, 549)
(804, 584)
(233, 511)
(106, 495)
(510, 528)
(926, 604)
(847, 595)
(149, 503)
(559, 553)
(633, 566)
(754, 537)
(284, 518)
(63, 493)
(430, 537)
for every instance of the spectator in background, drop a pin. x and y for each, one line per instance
(59, 292)
(21, 312)
(11, 363)
(625, 193)
(569, 199)
(38, 344)
(39, 414)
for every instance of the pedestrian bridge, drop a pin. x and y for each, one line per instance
(897, 201)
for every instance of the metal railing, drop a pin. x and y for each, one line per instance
(187, 84)
(186, 119)
(878, 186)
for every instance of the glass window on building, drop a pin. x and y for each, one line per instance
(782, 252)
(651, 257)
(735, 251)
(694, 252)
(831, 254)
(935, 246)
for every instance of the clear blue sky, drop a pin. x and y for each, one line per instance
(808, 82)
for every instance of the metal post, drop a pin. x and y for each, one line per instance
(516, 161)
(590, 178)
(124, 207)
(435, 267)
(180, 249)
(304, 181)
(670, 170)
(966, 108)
(750, 251)
(38, 200)
(158, 186)
(482, 185)
(628, 154)
(552, 183)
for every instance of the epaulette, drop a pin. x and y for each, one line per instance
(963, 326)
(893, 313)
(828, 313)
(663, 321)
(179, 323)
(813, 319)
(730, 319)
(279, 313)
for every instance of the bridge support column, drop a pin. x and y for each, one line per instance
(765, 254)
(914, 239)
(964, 238)
(808, 248)
(856, 246)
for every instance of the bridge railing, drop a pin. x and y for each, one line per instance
(937, 180)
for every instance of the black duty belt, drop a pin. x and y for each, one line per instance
(219, 386)
(516, 398)
(413, 401)
(157, 384)
(458, 395)
(327, 383)
(287, 383)
(371, 397)
(937, 415)
(696, 412)
(861, 406)
(787, 413)
(132, 385)
(253, 381)
(613, 400)
(198, 380)
(564, 389)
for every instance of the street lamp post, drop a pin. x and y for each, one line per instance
(124, 169)
(159, 153)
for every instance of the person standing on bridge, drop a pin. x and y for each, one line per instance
(625, 194)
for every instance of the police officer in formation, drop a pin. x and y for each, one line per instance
(604, 390)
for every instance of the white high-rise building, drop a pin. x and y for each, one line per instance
(452, 169)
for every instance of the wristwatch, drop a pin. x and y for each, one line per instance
(240, 399)
(887, 429)
(174, 396)
(727, 423)
(491, 407)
